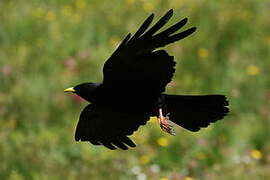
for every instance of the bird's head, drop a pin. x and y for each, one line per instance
(84, 90)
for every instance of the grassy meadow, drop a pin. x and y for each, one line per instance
(46, 46)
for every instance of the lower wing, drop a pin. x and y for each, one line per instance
(104, 125)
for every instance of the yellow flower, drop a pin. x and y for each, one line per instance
(114, 41)
(80, 4)
(163, 141)
(252, 70)
(66, 11)
(203, 52)
(256, 154)
(267, 40)
(148, 7)
(50, 16)
(153, 119)
(188, 178)
(164, 178)
(130, 2)
(144, 159)
(177, 3)
(200, 155)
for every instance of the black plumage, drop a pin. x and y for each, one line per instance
(135, 77)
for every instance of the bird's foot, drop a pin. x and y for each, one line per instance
(165, 123)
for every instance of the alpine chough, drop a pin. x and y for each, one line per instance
(132, 90)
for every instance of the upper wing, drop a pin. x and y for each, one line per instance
(134, 63)
(103, 125)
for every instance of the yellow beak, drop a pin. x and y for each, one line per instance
(69, 90)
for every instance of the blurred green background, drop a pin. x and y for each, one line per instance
(46, 46)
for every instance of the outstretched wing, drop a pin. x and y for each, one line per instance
(135, 63)
(104, 125)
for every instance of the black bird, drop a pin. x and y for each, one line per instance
(135, 77)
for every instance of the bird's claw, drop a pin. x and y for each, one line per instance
(165, 123)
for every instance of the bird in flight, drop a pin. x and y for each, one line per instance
(132, 91)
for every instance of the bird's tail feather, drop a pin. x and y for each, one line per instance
(194, 112)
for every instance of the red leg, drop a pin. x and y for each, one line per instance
(165, 123)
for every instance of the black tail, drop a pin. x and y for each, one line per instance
(194, 112)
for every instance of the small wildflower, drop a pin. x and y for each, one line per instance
(144, 159)
(264, 112)
(136, 170)
(252, 70)
(70, 63)
(177, 3)
(203, 52)
(84, 55)
(80, 4)
(130, 2)
(200, 155)
(188, 178)
(193, 164)
(163, 141)
(256, 154)
(6, 70)
(267, 40)
(148, 7)
(164, 178)
(50, 16)
(114, 41)
(246, 159)
(153, 119)
(141, 176)
(66, 11)
(154, 168)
